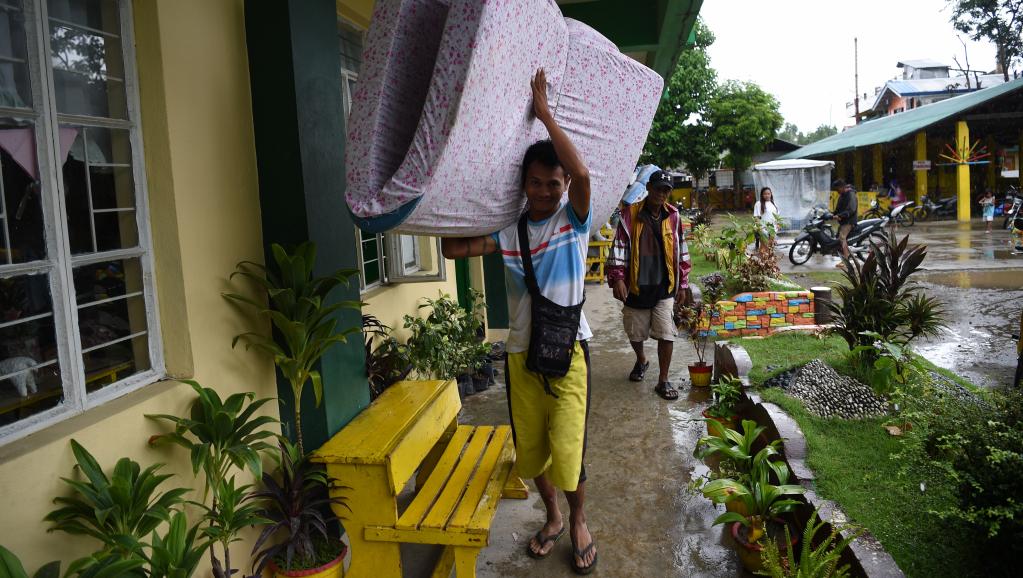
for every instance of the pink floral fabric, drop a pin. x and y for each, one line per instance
(442, 112)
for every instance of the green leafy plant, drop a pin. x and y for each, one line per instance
(11, 567)
(293, 501)
(762, 500)
(305, 321)
(444, 344)
(737, 448)
(880, 302)
(884, 365)
(725, 395)
(754, 273)
(178, 552)
(703, 242)
(387, 359)
(713, 287)
(232, 512)
(221, 435)
(820, 561)
(118, 511)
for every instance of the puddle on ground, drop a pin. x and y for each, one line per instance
(988, 279)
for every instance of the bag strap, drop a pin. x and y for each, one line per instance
(527, 258)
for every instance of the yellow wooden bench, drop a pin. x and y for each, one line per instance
(463, 471)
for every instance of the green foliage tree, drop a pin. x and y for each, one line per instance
(680, 134)
(1000, 21)
(792, 134)
(745, 119)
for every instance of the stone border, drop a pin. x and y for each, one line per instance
(866, 552)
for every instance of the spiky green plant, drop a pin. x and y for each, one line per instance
(763, 500)
(820, 561)
(11, 567)
(178, 552)
(305, 322)
(737, 448)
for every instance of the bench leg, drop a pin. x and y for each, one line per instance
(367, 494)
(515, 488)
(465, 562)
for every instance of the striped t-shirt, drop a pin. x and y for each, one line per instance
(558, 247)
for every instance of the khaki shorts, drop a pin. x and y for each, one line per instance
(642, 324)
(843, 232)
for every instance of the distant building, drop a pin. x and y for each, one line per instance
(923, 82)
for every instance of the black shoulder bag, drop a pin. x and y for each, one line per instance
(554, 327)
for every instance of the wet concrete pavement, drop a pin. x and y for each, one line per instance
(979, 278)
(639, 463)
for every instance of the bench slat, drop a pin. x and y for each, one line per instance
(427, 495)
(484, 514)
(433, 536)
(496, 449)
(438, 516)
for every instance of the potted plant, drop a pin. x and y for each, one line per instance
(305, 321)
(691, 320)
(444, 344)
(735, 450)
(386, 358)
(293, 502)
(764, 503)
(817, 558)
(726, 395)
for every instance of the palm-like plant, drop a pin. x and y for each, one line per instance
(763, 500)
(11, 567)
(879, 296)
(813, 562)
(294, 503)
(737, 447)
(118, 511)
(221, 435)
(232, 512)
(305, 325)
(177, 553)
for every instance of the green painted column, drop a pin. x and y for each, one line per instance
(497, 293)
(295, 75)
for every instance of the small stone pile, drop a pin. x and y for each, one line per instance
(825, 393)
(949, 388)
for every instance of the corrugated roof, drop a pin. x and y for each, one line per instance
(890, 128)
(922, 63)
(934, 85)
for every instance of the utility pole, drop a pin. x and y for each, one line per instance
(856, 77)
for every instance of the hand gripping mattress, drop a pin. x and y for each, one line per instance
(443, 112)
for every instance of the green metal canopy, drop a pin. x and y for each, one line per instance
(655, 32)
(893, 127)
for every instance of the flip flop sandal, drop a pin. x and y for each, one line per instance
(666, 391)
(638, 371)
(543, 543)
(582, 556)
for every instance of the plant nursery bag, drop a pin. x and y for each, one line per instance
(442, 113)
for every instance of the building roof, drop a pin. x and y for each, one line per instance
(922, 63)
(889, 128)
(921, 86)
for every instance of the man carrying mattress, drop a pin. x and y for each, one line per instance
(648, 270)
(548, 365)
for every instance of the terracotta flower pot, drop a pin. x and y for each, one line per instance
(332, 569)
(700, 375)
(728, 422)
(749, 553)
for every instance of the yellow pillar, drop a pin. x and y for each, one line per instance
(877, 165)
(921, 175)
(963, 172)
(857, 169)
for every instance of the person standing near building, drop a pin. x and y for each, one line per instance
(648, 271)
(987, 207)
(547, 267)
(766, 214)
(845, 212)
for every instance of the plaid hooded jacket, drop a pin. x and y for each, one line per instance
(625, 252)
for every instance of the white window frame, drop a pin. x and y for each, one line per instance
(60, 263)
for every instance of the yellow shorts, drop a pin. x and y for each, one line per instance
(550, 432)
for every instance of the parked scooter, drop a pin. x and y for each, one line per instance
(1016, 198)
(901, 217)
(818, 236)
(939, 209)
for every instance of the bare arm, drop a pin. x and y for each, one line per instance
(579, 186)
(458, 247)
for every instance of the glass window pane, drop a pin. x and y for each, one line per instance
(115, 230)
(88, 68)
(350, 41)
(409, 253)
(99, 190)
(112, 321)
(112, 187)
(15, 87)
(29, 368)
(21, 229)
(370, 259)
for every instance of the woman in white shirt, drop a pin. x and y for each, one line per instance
(766, 213)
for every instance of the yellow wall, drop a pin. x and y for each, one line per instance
(201, 172)
(391, 303)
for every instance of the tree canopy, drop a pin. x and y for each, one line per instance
(792, 134)
(680, 134)
(745, 119)
(999, 21)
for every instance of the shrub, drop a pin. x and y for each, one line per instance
(754, 273)
(713, 286)
(880, 302)
(445, 343)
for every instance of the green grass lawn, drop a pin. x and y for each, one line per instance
(854, 464)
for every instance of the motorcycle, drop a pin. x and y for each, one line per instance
(1013, 211)
(928, 208)
(818, 236)
(903, 217)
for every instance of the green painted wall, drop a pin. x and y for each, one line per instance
(295, 74)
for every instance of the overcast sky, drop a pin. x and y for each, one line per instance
(802, 50)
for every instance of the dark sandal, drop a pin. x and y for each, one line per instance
(582, 556)
(638, 371)
(543, 543)
(666, 391)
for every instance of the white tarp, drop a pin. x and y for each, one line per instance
(798, 186)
